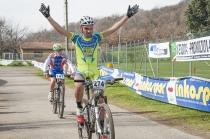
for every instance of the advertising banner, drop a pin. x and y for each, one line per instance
(191, 92)
(159, 50)
(192, 50)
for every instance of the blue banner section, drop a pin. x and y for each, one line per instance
(191, 92)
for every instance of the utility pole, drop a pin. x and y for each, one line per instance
(66, 24)
(66, 28)
(119, 47)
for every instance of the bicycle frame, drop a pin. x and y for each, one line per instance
(95, 96)
(59, 83)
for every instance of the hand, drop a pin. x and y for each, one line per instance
(45, 10)
(72, 75)
(133, 10)
(47, 75)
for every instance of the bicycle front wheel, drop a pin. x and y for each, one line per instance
(54, 102)
(106, 121)
(85, 129)
(61, 93)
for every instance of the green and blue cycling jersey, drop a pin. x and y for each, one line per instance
(87, 54)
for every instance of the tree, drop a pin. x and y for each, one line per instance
(11, 37)
(17, 36)
(197, 16)
(3, 37)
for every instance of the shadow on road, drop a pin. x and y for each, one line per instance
(37, 124)
(25, 84)
(3, 82)
(12, 112)
(17, 75)
(3, 107)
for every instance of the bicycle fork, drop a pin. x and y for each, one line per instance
(97, 120)
(99, 123)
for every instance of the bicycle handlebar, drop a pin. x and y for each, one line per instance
(66, 75)
(111, 82)
(81, 81)
(118, 79)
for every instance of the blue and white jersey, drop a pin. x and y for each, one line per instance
(55, 63)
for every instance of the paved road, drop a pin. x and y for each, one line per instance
(25, 113)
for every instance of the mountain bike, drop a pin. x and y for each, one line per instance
(98, 116)
(59, 95)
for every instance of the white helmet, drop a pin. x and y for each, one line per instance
(86, 20)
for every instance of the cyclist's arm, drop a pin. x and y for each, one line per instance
(115, 27)
(46, 64)
(71, 66)
(58, 27)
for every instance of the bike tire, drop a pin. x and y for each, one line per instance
(61, 101)
(85, 131)
(80, 132)
(105, 99)
(108, 121)
(54, 102)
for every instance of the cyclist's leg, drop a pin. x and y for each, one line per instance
(95, 77)
(52, 84)
(79, 88)
(52, 79)
(101, 99)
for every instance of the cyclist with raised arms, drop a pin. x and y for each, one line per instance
(86, 49)
(54, 65)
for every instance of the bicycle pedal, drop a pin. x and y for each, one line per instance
(81, 126)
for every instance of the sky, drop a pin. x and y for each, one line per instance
(25, 13)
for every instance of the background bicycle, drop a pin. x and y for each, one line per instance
(58, 96)
(98, 116)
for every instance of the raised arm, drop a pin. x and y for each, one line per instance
(46, 12)
(46, 64)
(116, 26)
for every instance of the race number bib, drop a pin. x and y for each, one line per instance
(99, 84)
(60, 76)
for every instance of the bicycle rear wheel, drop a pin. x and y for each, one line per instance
(54, 101)
(61, 93)
(106, 121)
